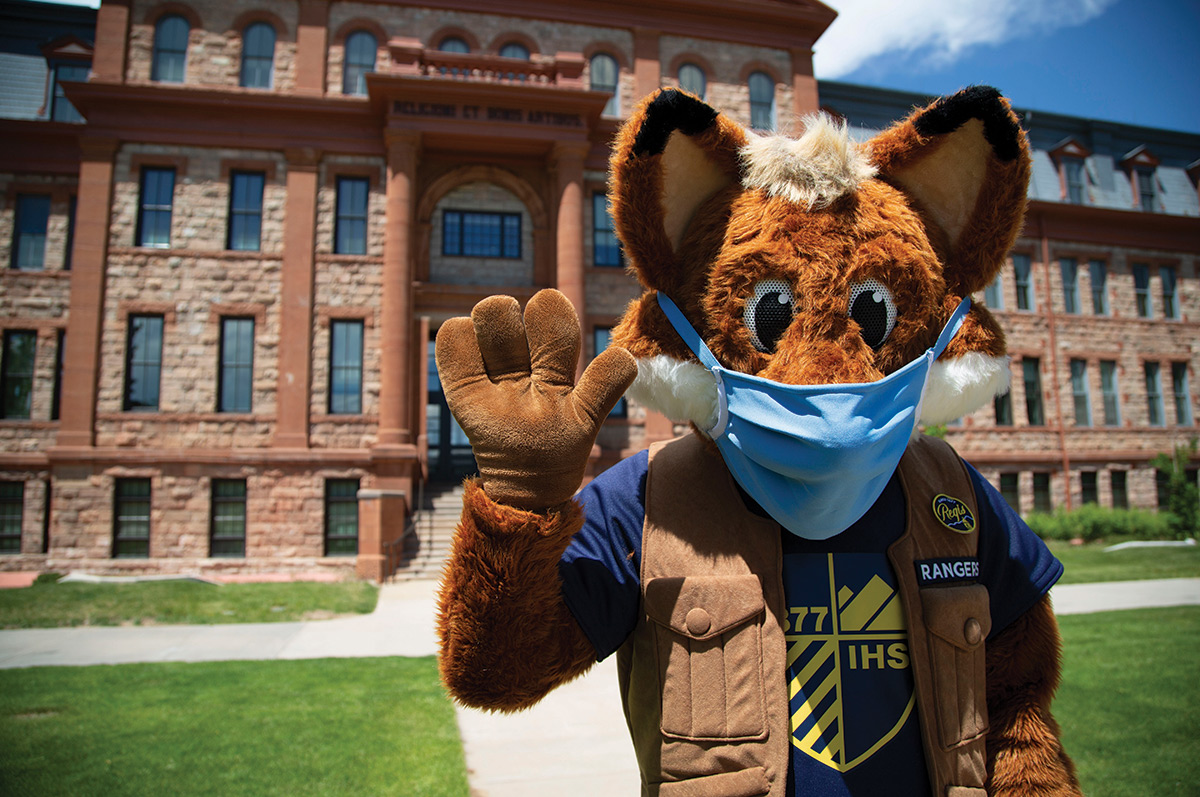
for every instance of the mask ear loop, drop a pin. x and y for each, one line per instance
(696, 345)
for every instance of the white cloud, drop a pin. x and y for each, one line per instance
(936, 31)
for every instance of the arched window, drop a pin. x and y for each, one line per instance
(258, 55)
(170, 49)
(691, 78)
(515, 50)
(361, 48)
(453, 44)
(762, 101)
(604, 78)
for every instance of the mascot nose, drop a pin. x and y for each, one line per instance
(803, 360)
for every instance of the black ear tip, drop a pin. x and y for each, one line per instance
(985, 103)
(671, 110)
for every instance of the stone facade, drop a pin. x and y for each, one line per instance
(423, 151)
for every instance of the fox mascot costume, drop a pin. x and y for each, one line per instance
(805, 595)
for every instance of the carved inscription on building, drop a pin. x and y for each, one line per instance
(490, 113)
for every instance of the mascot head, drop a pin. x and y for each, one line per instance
(817, 260)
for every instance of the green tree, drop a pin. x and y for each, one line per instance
(1183, 496)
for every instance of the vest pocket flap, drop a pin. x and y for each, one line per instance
(702, 607)
(960, 615)
(744, 783)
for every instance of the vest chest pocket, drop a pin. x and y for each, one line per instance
(708, 634)
(959, 619)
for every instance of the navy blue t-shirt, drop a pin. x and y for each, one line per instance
(854, 723)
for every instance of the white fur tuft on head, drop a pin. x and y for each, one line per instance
(813, 170)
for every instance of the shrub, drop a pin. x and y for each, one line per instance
(1091, 522)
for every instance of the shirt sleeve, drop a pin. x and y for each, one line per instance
(1014, 563)
(601, 566)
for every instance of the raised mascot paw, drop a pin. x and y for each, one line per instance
(510, 383)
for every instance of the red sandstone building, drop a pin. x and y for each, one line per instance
(227, 252)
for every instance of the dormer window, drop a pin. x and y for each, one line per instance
(69, 59)
(1071, 157)
(1141, 165)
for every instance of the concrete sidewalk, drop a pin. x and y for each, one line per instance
(573, 742)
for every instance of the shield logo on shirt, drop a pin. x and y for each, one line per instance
(849, 679)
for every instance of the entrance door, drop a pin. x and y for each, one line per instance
(450, 457)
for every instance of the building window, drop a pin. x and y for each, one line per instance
(692, 79)
(1170, 299)
(1147, 190)
(258, 56)
(236, 378)
(1022, 267)
(993, 294)
(1041, 493)
(341, 517)
(59, 354)
(1010, 490)
(762, 101)
(1031, 368)
(1079, 391)
(246, 210)
(1076, 180)
(1070, 284)
(1099, 273)
(481, 234)
(131, 519)
(515, 50)
(1120, 492)
(12, 511)
(1088, 492)
(1154, 399)
(1183, 398)
(61, 109)
(1002, 406)
(361, 49)
(71, 203)
(606, 249)
(1162, 489)
(29, 232)
(154, 207)
(601, 337)
(1141, 289)
(1108, 389)
(227, 531)
(603, 76)
(16, 373)
(454, 44)
(143, 363)
(170, 49)
(345, 367)
(350, 233)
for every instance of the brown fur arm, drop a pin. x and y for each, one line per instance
(1025, 756)
(507, 637)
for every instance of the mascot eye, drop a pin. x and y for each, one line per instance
(874, 310)
(769, 313)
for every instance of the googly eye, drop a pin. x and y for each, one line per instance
(769, 313)
(874, 310)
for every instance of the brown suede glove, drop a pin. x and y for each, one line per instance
(511, 386)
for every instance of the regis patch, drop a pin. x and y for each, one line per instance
(953, 514)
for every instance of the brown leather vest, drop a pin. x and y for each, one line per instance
(703, 675)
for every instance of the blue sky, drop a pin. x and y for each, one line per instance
(1133, 61)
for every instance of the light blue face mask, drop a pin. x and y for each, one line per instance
(815, 457)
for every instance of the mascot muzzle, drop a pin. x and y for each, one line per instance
(814, 457)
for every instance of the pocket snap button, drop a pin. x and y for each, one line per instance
(973, 631)
(698, 622)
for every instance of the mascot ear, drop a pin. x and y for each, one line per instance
(674, 153)
(965, 161)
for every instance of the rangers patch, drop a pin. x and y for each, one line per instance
(953, 514)
(946, 571)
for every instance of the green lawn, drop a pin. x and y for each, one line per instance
(48, 604)
(1090, 562)
(1129, 703)
(379, 726)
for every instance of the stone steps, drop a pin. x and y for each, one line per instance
(428, 546)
